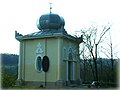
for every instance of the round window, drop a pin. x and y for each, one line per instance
(38, 64)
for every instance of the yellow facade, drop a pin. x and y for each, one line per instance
(58, 49)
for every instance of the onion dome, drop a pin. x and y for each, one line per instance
(50, 21)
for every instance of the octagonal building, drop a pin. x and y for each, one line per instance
(49, 57)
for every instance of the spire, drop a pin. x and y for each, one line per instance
(50, 7)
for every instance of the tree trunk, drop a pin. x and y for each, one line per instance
(92, 68)
(84, 71)
(95, 63)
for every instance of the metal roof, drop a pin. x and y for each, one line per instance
(50, 21)
(47, 34)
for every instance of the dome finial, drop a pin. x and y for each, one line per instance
(50, 7)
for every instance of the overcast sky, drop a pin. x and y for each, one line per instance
(21, 15)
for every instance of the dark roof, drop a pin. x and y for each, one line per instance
(50, 25)
(50, 21)
(46, 32)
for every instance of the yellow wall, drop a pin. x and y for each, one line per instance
(66, 44)
(50, 45)
(54, 49)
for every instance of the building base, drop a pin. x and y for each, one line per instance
(57, 84)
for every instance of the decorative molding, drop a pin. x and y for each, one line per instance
(65, 53)
(70, 48)
(74, 53)
(17, 34)
(39, 49)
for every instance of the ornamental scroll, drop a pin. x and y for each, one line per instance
(39, 49)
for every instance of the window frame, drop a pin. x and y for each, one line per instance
(36, 64)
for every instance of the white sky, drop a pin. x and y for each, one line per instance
(21, 15)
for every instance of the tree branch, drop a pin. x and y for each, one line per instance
(103, 33)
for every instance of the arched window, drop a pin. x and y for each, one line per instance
(38, 64)
(64, 54)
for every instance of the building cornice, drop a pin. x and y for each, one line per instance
(20, 37)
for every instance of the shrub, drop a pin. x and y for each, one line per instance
(7, 79)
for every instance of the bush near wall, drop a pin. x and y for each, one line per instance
(8, 79)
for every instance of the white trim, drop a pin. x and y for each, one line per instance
(64, 53)
(19, 62)
(73, 70)
(58, 76)
(67, 70)
(39, 49)
(36, 66)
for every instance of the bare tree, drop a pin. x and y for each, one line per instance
(85, 60)
(110, 52)
(91, 41)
